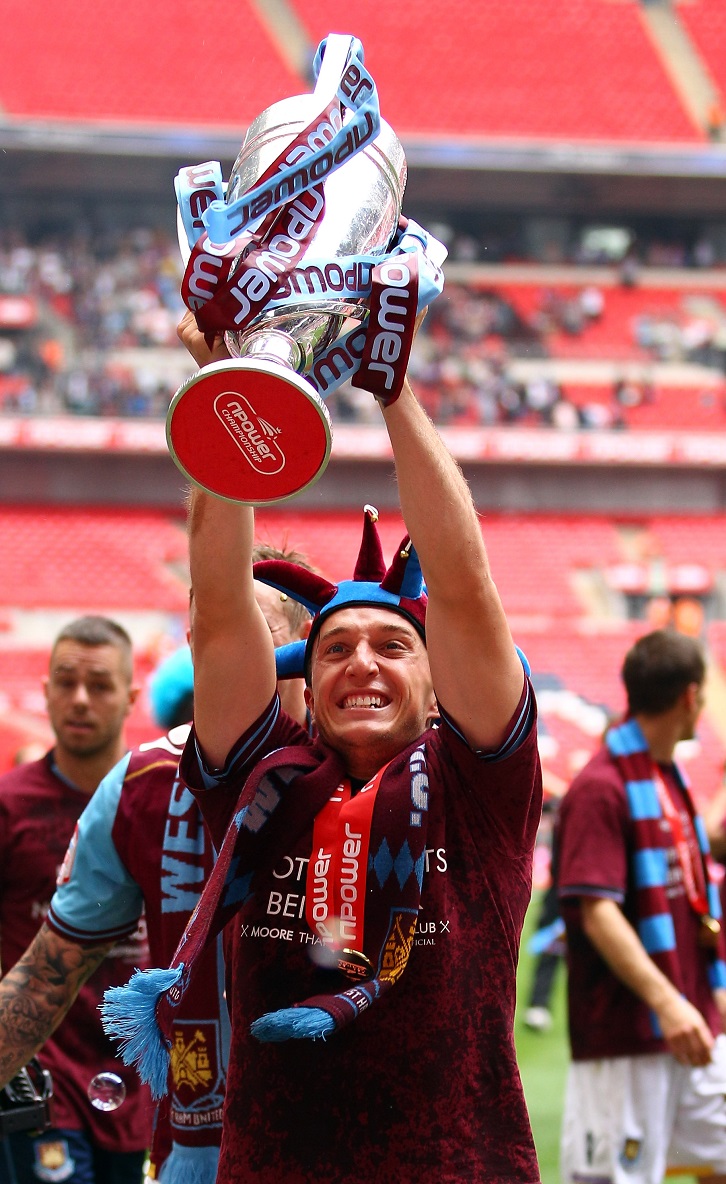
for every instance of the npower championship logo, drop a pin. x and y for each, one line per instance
(253, 435)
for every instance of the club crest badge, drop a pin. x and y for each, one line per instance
(630, 1153)
(196, 1073)
(398, 944)
(193, 1057)
(53, 1161)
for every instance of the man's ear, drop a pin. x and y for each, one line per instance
(433, 710)
(310, 701)
(691, 695)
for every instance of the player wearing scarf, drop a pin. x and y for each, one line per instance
(373, 879)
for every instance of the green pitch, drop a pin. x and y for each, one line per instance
(543, 1059)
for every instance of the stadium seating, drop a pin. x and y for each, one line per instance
(532, 72)
(639, 328)
(611, 335)
(61, 562)
(665, 409)
(477, 69)
(576, 676)
(104, 560)
(162, 63)
(705, 21)
(451, 69)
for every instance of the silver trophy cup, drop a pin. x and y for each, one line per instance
(274, 353)
(362, 208)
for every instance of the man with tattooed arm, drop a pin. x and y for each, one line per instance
(89, 693)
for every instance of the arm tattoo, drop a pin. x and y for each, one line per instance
(38, 991)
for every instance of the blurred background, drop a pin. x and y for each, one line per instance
(571, 154)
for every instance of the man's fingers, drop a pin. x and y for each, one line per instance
(692, 1048)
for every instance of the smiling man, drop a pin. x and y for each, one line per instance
(372, 878)
(373, 692)
(89, 693)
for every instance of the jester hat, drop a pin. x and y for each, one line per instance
(399, 588)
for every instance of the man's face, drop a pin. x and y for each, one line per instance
(371, 691)
(88, 695)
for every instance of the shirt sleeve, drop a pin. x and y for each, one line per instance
(96, 900)
(504, 785)
(520, 726)
(592, 839)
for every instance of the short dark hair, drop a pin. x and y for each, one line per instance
(92, 631)
(658, 668)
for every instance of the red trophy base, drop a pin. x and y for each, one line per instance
(249, 431)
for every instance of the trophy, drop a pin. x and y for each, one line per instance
(288, 261)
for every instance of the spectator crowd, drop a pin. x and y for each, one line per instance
(87, 323)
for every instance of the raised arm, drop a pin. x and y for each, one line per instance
(230, 637)
(476, 671)
(38, 991)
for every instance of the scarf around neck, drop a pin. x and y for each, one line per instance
(629, 750)
(281, 800)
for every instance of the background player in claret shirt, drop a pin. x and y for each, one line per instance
(141, 844)
(424, 1082)
(646, 976)
(89, 693)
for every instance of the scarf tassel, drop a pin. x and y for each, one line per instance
(293, 1023)
(193, 1165)
(128, 1015)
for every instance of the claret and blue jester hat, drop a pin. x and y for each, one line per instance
(399, 588)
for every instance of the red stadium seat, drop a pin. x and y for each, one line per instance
(134, 563)
(477, 69)
(455, 68)
(162, 63)
(104, 560)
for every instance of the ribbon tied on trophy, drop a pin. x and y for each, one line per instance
(305, 263)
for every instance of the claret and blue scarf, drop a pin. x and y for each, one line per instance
(647, 806)
(290, 791)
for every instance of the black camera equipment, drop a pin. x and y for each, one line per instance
(25, 1100)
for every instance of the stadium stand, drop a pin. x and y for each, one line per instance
(569, 618)
(619, 90)
(60, 563)
(103, 559)
(705, 21)
(100, 339)
(161, 64)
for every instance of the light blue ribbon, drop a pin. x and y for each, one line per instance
(185, 193)
(225, 221)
